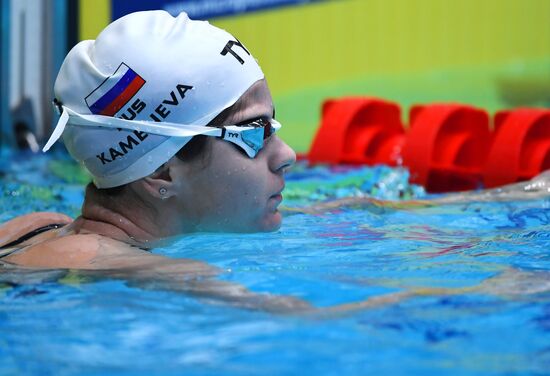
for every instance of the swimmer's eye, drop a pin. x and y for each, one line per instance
(253, 136)
(260, 122)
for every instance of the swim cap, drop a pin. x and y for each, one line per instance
(146, 66)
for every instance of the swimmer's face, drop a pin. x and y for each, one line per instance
(230, 191)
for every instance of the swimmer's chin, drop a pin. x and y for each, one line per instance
(272, 223)
(269, 223)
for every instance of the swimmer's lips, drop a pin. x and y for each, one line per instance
(278, 195)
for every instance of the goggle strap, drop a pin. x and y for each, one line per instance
(58, 131)
(68, 116)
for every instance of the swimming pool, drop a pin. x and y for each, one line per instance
(52, 326)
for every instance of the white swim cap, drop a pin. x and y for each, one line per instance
(146, 66)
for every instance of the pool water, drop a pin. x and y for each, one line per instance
(490, 317)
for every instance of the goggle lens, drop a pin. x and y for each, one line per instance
(253, 135)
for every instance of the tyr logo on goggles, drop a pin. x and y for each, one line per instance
(251, 136)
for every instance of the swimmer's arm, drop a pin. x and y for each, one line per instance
(197, 279)
(368, 203)
(216, 291)
(151, 271)
(193, 277)
(536, 188)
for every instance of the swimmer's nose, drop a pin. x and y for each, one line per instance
(283, 157)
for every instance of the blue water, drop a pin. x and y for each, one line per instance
(69, 326)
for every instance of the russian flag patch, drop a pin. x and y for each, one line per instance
(113, 93)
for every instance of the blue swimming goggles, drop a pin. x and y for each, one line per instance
(249, 137)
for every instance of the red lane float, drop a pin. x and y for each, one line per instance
(358, 131)
(521, 146)
(448, 147)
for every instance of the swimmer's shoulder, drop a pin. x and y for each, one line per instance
(24, 225)
(61, 248)
(90, 251)
(45, 240)
(66, 251)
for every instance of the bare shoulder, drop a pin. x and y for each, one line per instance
(19, 226)
(74, 251)
(64, 249)
(97, 252)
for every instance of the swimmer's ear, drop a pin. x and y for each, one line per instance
(160, 183)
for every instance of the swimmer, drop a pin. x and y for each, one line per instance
(174, 121)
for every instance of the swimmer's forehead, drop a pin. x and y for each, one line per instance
(255, 103)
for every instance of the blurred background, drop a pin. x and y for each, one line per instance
(493, 54)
